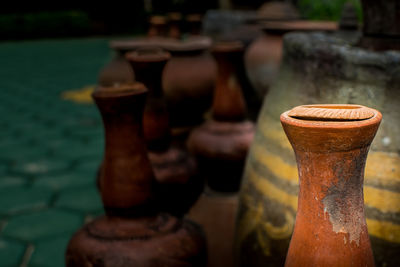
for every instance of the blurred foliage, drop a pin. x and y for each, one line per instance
(44, 24)
(326, 9)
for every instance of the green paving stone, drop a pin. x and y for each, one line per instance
(7, 181)
(20, 198)
(50, 253)
(22, 152)
(85, 199)
(42, 224)
(40, 166)
(11, 253)
(65, 180)
(78, 151)
(89, 166)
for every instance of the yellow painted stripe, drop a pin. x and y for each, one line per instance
(385, 201)
(276, 165)
(384, 230)
(383, 167)
(274, 132)
(269, 190)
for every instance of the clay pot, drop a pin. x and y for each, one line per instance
(194, 24)
(263, 57)
(331, 144)
(320, 68)
(157, 26)
(221, 144)
(118, 70)
(188, 80)
(276, 10)
(175, 169)
(132, 233)
(174, 25)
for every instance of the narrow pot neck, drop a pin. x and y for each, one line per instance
(228, 102)
(148, 70)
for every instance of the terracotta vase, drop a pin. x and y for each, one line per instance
(157, 26)
(277, 10)
(321, 68)
(174, 25)
(132, 233)
(221, 144)
(188, 81)
(117, 71)
(263, 57)
(194, 24)
(331, 144)
(175, 169)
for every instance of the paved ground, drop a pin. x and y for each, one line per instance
(49, 147)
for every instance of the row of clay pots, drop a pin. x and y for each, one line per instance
(144, 174)
(188, 78)
(174, 26)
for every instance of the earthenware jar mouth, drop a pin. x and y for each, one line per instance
(118, 90)
(332, 115)
(148, 54)
(327, 128)
(227, 47)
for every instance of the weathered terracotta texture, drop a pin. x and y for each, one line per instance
(221, 143)
(263, 57)
(188, 80)
(132, 233)
(175, 169)
(321, 68)
(331, 144)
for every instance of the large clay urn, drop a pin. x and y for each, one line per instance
(158, 26)
(188, 81)
(175, 169)
(263, 57)
(331, 144)
(321, 68)
(133, 232)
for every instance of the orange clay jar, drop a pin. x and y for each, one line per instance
(331, 144)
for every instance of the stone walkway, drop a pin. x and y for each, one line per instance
(50, 148)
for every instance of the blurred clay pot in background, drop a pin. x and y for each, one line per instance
(263, 57)
(194, 24)
(157, 26)
(276, 10)
(221, 143)
(175, 169)
(188, 80)
(133, 232)
(174, 25)
(118, 70)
